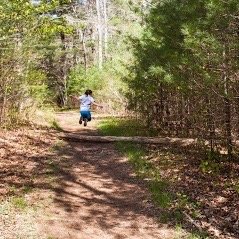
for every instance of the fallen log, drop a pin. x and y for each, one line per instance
(135, 139)
(99, 117)
(138, 139)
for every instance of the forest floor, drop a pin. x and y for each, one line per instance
(55, 189)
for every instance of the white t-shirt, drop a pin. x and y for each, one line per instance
(85, 102)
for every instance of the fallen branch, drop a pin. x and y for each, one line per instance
(193, 222)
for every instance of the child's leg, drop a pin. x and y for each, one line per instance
(81, 119)
(84, 114)
(89, 116)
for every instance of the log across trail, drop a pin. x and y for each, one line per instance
(182, 142)
(136, 139)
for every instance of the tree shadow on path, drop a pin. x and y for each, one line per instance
(97, 195)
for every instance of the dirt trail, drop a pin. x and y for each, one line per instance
(97, 195)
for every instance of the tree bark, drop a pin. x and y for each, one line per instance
(210, 123)
(100, 38)
(227, 104)
(63, 85)
(82, 39)
(105, 28)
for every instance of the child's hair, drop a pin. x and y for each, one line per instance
(88, 92)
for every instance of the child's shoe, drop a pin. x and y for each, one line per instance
(85, 122)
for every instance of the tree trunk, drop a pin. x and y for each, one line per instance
(227, 104)
(82, 39)
(210, 123)
(100, 38)
(105, 28)
(63, 84)
(161, 104)
(182, 114)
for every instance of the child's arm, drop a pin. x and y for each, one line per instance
(94, 103)
(75, 97)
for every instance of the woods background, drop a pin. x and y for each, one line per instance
(174, 63)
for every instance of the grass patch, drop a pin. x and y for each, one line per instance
(19, 202)
(124, 127)
(59, 144)
(160, 194)
(52, 167)
(56, 126)
(210, 167)
(193, 235)
(197, 236)
(137, 157)
(146, 170)
(236, 187)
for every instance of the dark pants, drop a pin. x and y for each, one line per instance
(86, 115)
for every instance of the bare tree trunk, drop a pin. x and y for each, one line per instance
(161, 105)
(63, 84)
(227, 104)
(100, 38)
(3, 108)
(74, 47)
(105, 28)
(210, 123)
(182, 114)
(82, 39)
(237, 121)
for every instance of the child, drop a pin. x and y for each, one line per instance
(86, 101)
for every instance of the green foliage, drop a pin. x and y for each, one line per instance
(125, 127)
(197, 236)
(160, 195)
(58, 145)
(106, 84)
(211, 164)
(178, 58)
(80, 80)
(36, 81)
(19, 202)
(41, 54)
(144, 169)
(56, 126)
(27, 32)
(210, 167)
(236, 187)
(53, 167)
